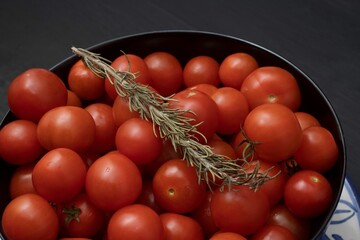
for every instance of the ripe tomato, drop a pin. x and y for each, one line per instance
(176, 187)
(181, 227)
(306, 120)
(271, 85)
(67, 126)
(274, 232)
(221, 147)
(227, 236)
(201, 69)
(242, 147)
(165, 71)
(135, 222)
(240, 209)
(19, 143)
(73, 99)
(105, 128)
(233, 108)
(275, 131)
(103, 181)
(308, 194)
(34, 92)
(147, 197)
(30, 216)
(318, 150)
(21, 181)
(205, 88)
(195, 102)
(84, 83)
(135, 139)
(121, 111)
(59, 175)
(235, 68)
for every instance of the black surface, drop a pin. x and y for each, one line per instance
(320, 37)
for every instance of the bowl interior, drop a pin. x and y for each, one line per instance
(187, 44)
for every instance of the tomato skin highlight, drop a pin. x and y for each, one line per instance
(201, 69)
(274, 232)
(227, 236)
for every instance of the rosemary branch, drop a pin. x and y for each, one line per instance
(175, 127)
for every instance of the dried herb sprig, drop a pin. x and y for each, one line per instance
(174, 126)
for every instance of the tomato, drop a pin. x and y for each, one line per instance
(30, 216)
(239, 209)
(195, 102)
(74, 239)
(19, 143)
(136, 222)
(221, 147)
(201, 69)
(147, 197)
(136, 139)
(271, 85)
(176, 187)
(128, 63)
(181, 227)
(34, 92)
(80, 217)
(275, 131)
(243, 148)
(273, 232)
(84, 83)
(205, 88)
(308, 194)
(122, 112)
(318, 150)
(73, 99)
(59, 175)
(280, 215)
(227, 236)
(67, 126)
(235, 68)
(105, 129)
(165, 71)
(233, 108)
(21, 181)
(113, 181)
(306, 120)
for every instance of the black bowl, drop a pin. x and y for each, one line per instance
(187, 44)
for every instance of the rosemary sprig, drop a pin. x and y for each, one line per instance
(173, 126)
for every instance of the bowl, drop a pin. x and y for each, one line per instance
(187, 44)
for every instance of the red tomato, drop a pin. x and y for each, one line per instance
(308, 194)
(275, 131)
(135, 139)
(181, 227)
(105, 130)
(136, 222)
(201, 69)
(147, 197)
(273, 232)
(84, 83)
(176, 187)
(243, 149)
(222, 148)
(21, 181)
(59, 175)
(306, 120)
(271, 85)
(240, 209)
(235, 68)
(73, 99)
(30, 216)
(205, 88)
(121, 111)
(67, 126)
(103, 181)
(318, 150)
(233, 108)
(227, 236)
(165, 71)
(195, 102)
(34, 92)
(19, 143)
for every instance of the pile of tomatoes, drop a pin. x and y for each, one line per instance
(87, 167)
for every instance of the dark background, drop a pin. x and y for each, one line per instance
(321, 37)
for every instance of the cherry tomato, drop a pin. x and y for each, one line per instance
(113, 181)
(221, 147)
(240, 209)
(34, 92)
(308, 194)
(67, 126)
(205, 88)
(306, 120)
(19, 143)
(73, 99)
(121, 111)
(165, 71)
(318, 150)
(136, 139)
(235, 68)
(243, 149)
(21, 180)
(227, 236)
(147, 197)
(271, 85)
(30, 216)
(59, 175)
(201, 69)
(84, 83)
(135, 221)
(176, 187)
(181, 227)
(275, 131)
(273, 232)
